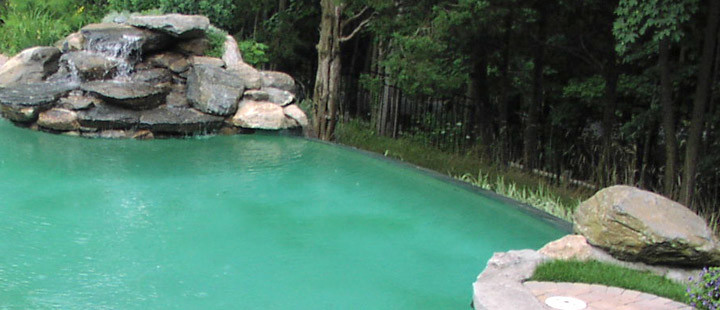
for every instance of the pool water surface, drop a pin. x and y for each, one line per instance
(238, 222)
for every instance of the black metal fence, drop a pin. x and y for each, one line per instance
(446, 123)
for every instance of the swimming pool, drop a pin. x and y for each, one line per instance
(238, 222)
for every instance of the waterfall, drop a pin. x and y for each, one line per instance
(124, 52)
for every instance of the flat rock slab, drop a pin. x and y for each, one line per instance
(106, 116)
(109, 38)
(34, 94)
(179, 120)
(131, 95)
(214, 90)
(176, 25)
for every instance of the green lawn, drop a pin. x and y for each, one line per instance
(610, 275)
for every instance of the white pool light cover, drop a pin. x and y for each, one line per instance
(565, 303)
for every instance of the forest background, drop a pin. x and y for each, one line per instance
(572, 95)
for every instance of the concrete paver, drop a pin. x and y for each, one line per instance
(600, 297)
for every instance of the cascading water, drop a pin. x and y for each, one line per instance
(125, 53)
(118, 58)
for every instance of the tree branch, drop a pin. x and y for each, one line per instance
(356, 30)
(356, 16)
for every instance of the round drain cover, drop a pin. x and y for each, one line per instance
(565, 303)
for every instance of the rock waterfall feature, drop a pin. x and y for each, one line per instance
(144, 77)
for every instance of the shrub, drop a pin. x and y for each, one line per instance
(704, 292)
(216, 37)
(30, 23)
(253, 52)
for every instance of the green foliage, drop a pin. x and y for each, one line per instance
(216, 37)
(31, 23)
(253, 52)
(517, 183)
(540, 197)
(659, 18)
(704, 292)
(610, 275)
(220, 12)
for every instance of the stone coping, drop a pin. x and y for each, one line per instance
(502, 285)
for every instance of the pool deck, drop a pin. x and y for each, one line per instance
(502, 285)
(600, 297)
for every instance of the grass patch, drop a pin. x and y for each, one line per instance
(611, 275)
(468, 166)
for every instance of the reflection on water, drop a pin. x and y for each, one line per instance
(250, 222)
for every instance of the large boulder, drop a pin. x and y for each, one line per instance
(176, 25)
(32, 65)
(262, 115)
(636, 225)
(122, 41)
(131, 95)
(214, 90)
(176, 120)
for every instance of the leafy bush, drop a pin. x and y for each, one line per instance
(220, 12)
(704, 292)
(253, 52)
(30, 23)
(217, 42)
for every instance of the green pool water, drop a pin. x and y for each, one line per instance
(238, 222)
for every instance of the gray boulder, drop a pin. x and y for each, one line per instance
(279, 96)
(262, 115)
(214, 90)
(104, 116)
(132, 95)
(59, 119)
(636, 225)
(176, 120)
(196, 47)
(280, 80)
(32, 65)
(176, 25)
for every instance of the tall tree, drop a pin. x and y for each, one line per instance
(333, 24)
(702, 94)
(662, 20)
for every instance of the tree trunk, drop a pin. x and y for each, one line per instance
(328, 72)
(668, 118)
(610, 97)
(481, 114)
(532, 126)
(702, 93)
(503, 104)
